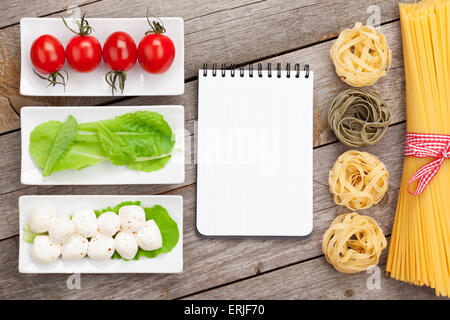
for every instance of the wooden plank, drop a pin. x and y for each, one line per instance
(11, 11)
(214, 262)
(316, 279)
(9, 120)
(260, 29)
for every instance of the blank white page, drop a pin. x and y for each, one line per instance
(255, 154)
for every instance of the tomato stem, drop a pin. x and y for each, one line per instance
(112, 77)
(52, 78)
(157, 26)
(83, 26)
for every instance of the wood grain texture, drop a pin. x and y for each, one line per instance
(316, 279)
(259, 29)
(209, 262)
(11, 11)
(9, 120)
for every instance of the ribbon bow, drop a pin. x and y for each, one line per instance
(422, 145)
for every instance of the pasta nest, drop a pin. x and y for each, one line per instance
(361, 55)
(353, 243)
(359, 118)
(358, 180)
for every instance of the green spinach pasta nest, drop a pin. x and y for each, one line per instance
(359, 118)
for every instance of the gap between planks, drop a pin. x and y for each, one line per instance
(51, 13)
(249, 277)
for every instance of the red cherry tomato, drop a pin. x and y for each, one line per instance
(84, 53)
(156, 53)
(47, 54)
(119, 51)
(120, 55)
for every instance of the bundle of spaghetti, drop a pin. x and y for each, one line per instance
(419, 250)
(361, 55)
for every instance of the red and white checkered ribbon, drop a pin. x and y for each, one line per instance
(422, 145)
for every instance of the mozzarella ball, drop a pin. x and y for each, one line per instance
(44, 250)
(132, 218)
(126, 245)
(85, 222)
(61, 230)
(100, 247)
(149, 237)
(41, 219)
(75, 249)
(108, 223)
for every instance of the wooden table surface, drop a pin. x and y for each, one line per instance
(227, 31)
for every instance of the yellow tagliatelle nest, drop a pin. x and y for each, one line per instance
(361, 55)
(358, 180)
(353, 243)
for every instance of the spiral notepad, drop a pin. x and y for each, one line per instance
(254, 151)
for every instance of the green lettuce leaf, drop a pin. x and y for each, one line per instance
(142, 140)
(41, 141)
(146, 132)
(61, 145)
(118, 150)
(149, 165)
(79, 156)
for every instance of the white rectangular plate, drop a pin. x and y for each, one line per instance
(138, 82)
(171, 262)
(104, 172)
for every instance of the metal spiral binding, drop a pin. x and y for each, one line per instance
(232, 69)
